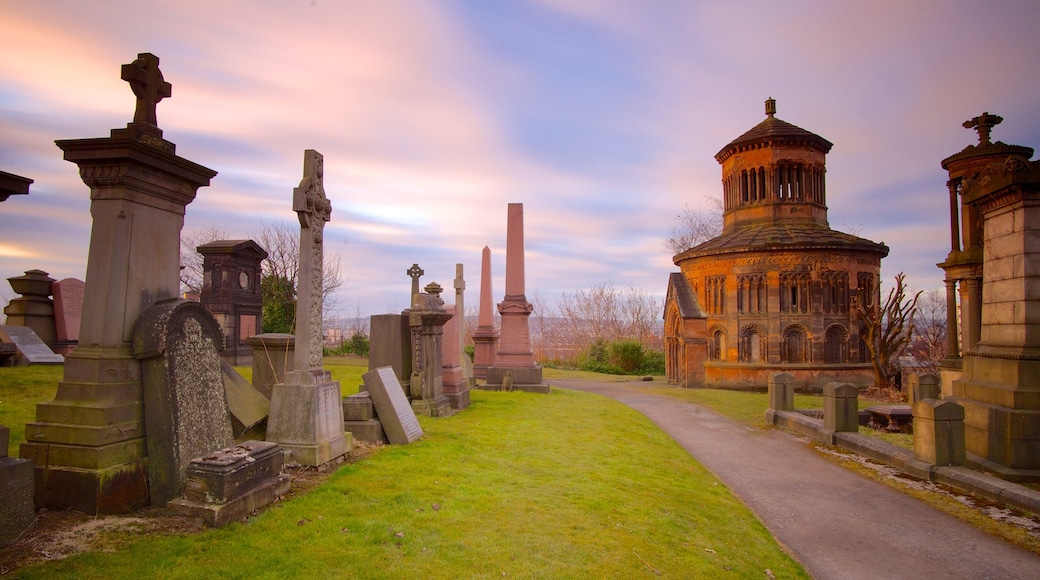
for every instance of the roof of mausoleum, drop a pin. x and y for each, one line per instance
(772, 131)
(772, 237)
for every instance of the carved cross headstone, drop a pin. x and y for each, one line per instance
(415, 272)
(313, 209)
(146, 80)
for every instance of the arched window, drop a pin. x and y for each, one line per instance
(836, 345)
(744, 186)
(752, 346)
(717, 345)
(864, 352)
(795, 348)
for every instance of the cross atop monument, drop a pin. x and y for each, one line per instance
(983, 123)
(415, 272)
(146, 80)
(313, 209)
(309, 200)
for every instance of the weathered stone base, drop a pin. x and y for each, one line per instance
(808, 378)
(521, 375)
(439, 407)
(16, 496)
(369, 431)
(238, 509)
(458, 400)
(307, 418)
(318, 454)
(1009, 438)
(113, 490)
(1006, 473)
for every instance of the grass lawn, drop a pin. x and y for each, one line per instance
(564, 485)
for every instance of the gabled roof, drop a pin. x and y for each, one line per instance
(679, 290)
(232, 246)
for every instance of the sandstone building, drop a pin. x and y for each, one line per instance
(777, 290)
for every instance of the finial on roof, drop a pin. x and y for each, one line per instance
(983, 123)
(770, 107)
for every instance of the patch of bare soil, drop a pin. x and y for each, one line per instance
(984, 507)
(59, 534)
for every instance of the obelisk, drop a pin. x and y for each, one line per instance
(485, 337)
(514, 350)
(306, 409)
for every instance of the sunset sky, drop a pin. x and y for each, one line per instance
(601, 117)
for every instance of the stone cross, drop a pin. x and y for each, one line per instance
(313, 209)
(982, 124)
(460, 314)
(146, 80)
(414, 272)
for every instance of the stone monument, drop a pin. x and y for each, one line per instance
(307, 409)
(460, 317)
(68, 313)
(88, 444)
(1000, 386)
(456, 388)
(485, 337)
(514, 351)
(34, 308)
(426, 318)
(231, 291)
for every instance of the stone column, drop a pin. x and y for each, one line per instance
(485, 337)
(307, 409)
(456, 387)
(514, 351)
(427, 318)
(971, 312)
(88, 444)
(460, 323)
(952, 344)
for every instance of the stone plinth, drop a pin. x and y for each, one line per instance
(921, 387)
(88, 444)
(227, 485)
(781, 392)
(307, 418)
(186, 412)
(939, 432)
(456, 388)
(485, 337)
(360, 420)
(34, 308)
(840, 407)
(273, 355)
(389, 344)
(16, 493)
(426, 319)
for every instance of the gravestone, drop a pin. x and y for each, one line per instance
(31, 350)
(456, 387)
(227, 485)
(460, 334)
(248, 408)
(514, 354)
(390, 344)
(396, 415)
(34, 308)
(68, 312)
(939, 432)
(426, 318)
(16, 492)
(88, 444)
(307, 409)
(485, 337)
(840, 407)
(186, 411)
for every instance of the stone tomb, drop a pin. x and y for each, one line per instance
(426, 318)
(389, 345)
(34, 308)
(399, 421)
(16, 492)
(227, 485)
(231, 291)
(31, 350)
(186, 412)
(68, 312)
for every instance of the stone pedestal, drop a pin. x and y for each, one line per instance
(921, 387)
(360, 420)
(939, 432)
(227, 485)
(88, 444)
(307, 418)
(456, 388)
(16, 493)
(781, 392)
(840, 407)
(485, 337)
(34, 308)
(427, 318)
(273, 355)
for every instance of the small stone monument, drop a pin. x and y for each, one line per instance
(34, 308)
(514, 351)
(454, 381)
(485, 337)
(307, 409)
(88, 444)
(460, 325)
(390, 344)
(68, 312)
(231, 291)
(29, 349)
(426, 318)
(396, 415)
(274, 353)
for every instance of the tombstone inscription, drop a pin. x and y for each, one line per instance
(32, 349)
(395, 413)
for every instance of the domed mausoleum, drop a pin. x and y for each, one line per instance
(776, 291)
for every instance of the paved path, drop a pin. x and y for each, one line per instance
(836, 523)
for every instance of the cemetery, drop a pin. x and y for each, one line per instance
(133, 403)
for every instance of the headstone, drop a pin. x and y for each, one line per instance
(227, 485)
(781, 392)
(390, 344)
(88, 444)
(454, 382)
(34, 308)
(31, 349)
(248, 407)
(427, 318)
(840, 407)
(306, 409)
(514, 350)
(231, 291)
(274, 353)
(16, 493)
(396, 415)
(485, 337)
(68, 312)
(921, 387)
(939, 432)
(186, 411)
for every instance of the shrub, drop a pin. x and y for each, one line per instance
(626, 354)
(469, 350)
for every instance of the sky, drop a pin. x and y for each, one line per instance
(601, 116)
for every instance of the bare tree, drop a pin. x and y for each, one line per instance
(601, 312)
(930, 344)
(191, 259)
(696, 226)
(890, 329)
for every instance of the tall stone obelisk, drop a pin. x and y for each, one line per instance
(306, 409)
(514, 358)
(88, 445)
(485, 337)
